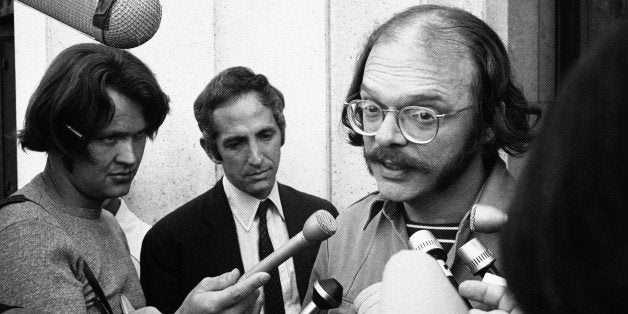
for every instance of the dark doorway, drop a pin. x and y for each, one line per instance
(580, 23)
(8, 147)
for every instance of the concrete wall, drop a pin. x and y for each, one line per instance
(306, 48)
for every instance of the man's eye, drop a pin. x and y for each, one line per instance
(421, 115)
(371, 109)
(267, 135)
(110, 140)
(140, 136)
(233, 145)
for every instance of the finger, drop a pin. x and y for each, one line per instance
(259, 302)
(220, 282)
(484, 292)
(241, 290)
(257, 305)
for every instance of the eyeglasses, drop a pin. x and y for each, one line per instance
(418, 124)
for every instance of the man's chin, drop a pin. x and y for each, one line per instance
(118, 191)
(397, 191)
(260, 189)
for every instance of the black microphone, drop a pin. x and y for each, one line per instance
(116, 23)
(424, 241)
(326, 295)
(480, 262)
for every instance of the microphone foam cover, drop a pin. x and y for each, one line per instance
(414, 283)
(131, 22)
(319, 226)
(487, 219)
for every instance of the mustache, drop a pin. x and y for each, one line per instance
(394, 157)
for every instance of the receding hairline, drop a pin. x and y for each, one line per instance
(431, 30)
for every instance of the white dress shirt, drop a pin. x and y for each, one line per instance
(134, 230)
(244, 208)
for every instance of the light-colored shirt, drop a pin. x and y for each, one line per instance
(244, 208)
(134, 231)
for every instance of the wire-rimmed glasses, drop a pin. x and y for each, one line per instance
(418, 124)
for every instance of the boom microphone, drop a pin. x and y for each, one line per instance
(413, 283)
(487, 219)
(318, 227)
(326, 295)
(117, 23)
(424, 241)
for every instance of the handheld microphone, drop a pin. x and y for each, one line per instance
(116, 23)
(480, 262)
(326, 295)
(413, 283)
(487, 219)
(318, 227)
(424, 241)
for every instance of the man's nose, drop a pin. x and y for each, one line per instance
(389, 133)
(255, 155)
(127, 153)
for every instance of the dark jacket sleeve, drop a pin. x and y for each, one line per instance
(160, 271)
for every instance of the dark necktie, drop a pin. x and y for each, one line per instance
(273, 297)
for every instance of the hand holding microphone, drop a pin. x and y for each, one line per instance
(318, 227)
(497, 298)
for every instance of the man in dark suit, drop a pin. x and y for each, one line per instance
(246, 214)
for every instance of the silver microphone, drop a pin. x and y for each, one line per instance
(116, 23)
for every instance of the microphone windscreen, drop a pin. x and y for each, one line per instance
(319, 226)
(327, 294)
(414, 283)
(487, 219)
(131, 22)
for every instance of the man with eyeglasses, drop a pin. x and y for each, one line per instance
(432, 101)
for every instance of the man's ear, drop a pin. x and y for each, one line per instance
(206, 147)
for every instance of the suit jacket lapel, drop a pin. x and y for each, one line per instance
(295, 218)
(222, 237)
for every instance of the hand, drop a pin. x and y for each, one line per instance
(370, 299)
(223, 295)
(497, 298)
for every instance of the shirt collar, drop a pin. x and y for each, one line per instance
(244, 206)
(389, 209)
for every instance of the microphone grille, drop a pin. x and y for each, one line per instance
(319, 226)
(475, 255)
(132, 23)
(326, 222)
(424, 241)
